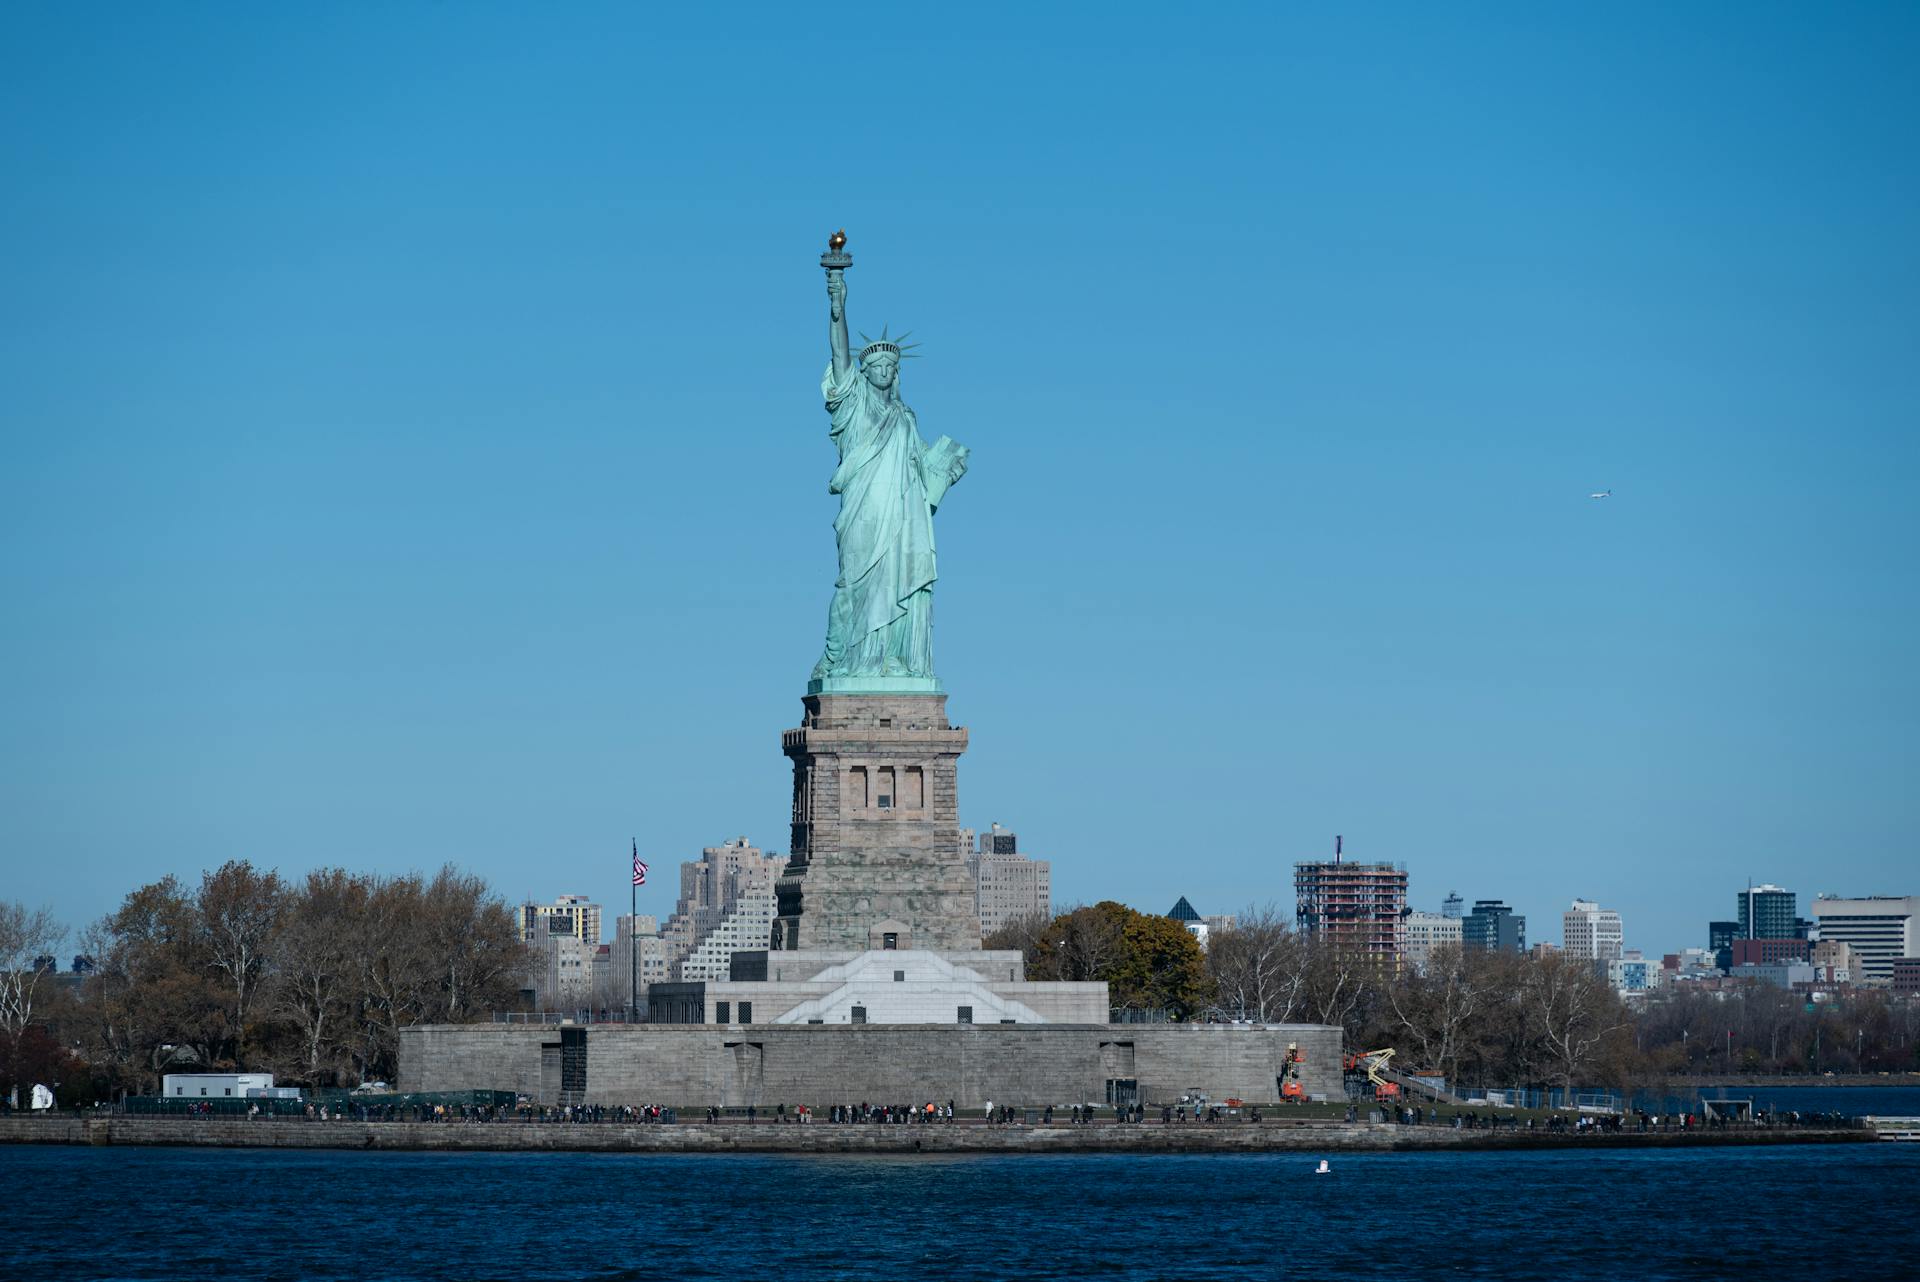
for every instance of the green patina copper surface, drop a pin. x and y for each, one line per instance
(890, 482)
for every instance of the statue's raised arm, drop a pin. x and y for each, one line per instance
(836, 260)
(837, 323)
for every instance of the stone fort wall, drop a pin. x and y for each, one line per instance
(819, 1065)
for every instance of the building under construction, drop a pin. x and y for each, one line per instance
(1361, 906)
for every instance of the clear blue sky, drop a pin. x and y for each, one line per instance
(413, 451)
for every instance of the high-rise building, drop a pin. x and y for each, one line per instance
(1590, 931)
(1720, 937)
(574, 915)
(1006, 884)
(563, 972)
(638, 958)
(1766, 912)
(1495, 926)
(1880, 929)
(1453, 906)
(1428, 931)
(748, 925)
(710, 887)
(1359, 906)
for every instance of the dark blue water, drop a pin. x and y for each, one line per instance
(236, 1215)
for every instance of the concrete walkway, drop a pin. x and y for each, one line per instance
(731, 1137)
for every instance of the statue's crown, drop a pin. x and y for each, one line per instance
(884, 346)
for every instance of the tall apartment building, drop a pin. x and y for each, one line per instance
(710, 887)
(1493, 925)
(1720, 937)
(1360, 906)
(1428, 931)
(638, 957)
(563, 972)
(1590, 931)
(1879, 929)
(748, 925)
(1006, 884)
(574, 915)
(1766, 912)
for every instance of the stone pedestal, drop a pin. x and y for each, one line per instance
(876, 858)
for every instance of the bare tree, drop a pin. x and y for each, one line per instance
(1259, 965)
(1337, 981)
(25, 937)
(1436, 1008)
(314, 987)
(428, 952)
(1081, 945)
(394, 972)
(1571, 1012)
(151, 999)
(240, 911)
(471, 931)
(1022, 933)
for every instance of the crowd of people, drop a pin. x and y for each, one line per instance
(932, 1112)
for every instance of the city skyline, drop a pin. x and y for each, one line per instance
(402, 475)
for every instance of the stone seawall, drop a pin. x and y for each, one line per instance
(820, 1138)
(765, 1064)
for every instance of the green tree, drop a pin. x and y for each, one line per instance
(1161, 967)
(1147, 962)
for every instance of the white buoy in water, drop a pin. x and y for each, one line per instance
(1323, 1168)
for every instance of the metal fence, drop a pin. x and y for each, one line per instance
(337, 1104)
(612, 1016)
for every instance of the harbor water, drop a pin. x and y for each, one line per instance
(244, 1214)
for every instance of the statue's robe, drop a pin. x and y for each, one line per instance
(889, 482)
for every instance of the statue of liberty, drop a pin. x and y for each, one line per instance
(890, 481)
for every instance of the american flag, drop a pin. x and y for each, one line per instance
(639, 869)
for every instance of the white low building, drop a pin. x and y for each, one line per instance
(214, 1085)
(879, 986)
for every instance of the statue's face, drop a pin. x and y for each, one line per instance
(880, 373)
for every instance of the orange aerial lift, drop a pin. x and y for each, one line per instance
(1290, 1087)
(1372, 1063)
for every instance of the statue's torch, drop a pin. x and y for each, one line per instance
(836, 259)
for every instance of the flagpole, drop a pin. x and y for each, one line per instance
(633, 942)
